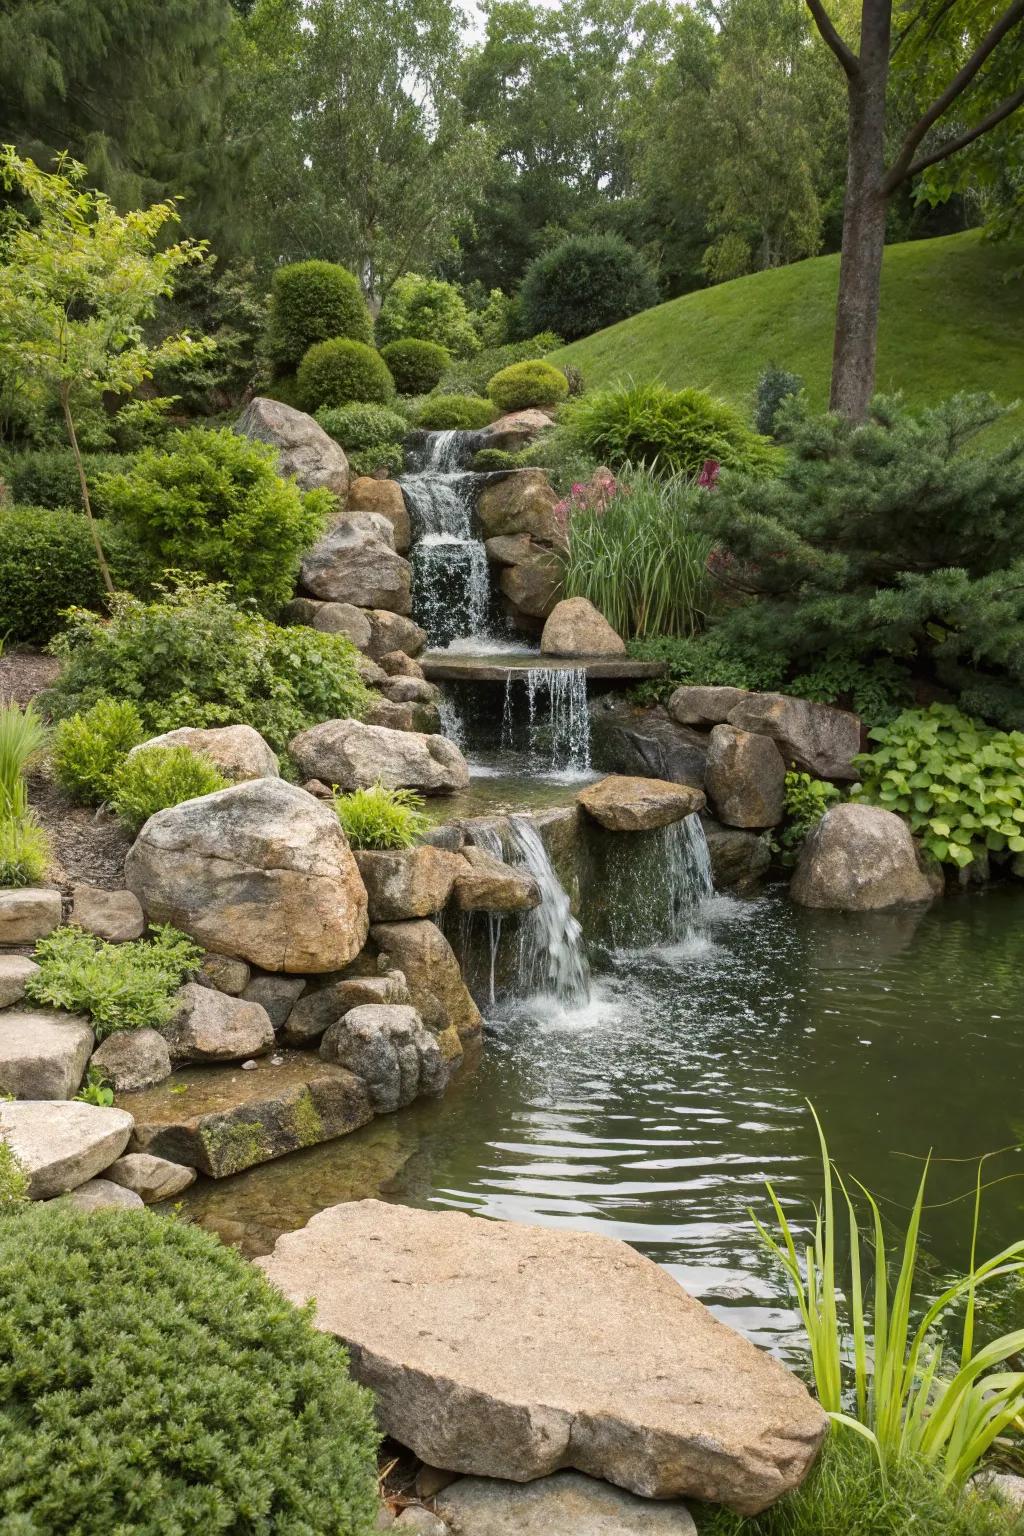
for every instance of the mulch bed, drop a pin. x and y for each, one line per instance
(23, 674)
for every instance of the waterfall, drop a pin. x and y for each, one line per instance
(450, 715)
(551, 959)
(451, 575)
(647, 888)
(559, 735)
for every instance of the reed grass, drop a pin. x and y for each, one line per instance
(22, 738)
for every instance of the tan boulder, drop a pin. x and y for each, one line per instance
(407, 882)
(367, 494)
(514, 430)
(133, 1058)
(151, 1178)
(211, 1026)
(330, 618)
(15, 973)
(398, 664)
(488, 884)
(427, 961)
(356, 562)
(745, 778)
(623, 804)
(237, 751)
(574, 627)
(533, 586)
(355, 755)
(304, 450)
(62, 1143)
(817, 738)
(43, 1052)
(114, 916)
(28, 913)
(521, 502)
(393, 632)
(704, 705)
(862, 858)
(565, 1504)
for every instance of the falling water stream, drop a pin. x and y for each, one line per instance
(451, 576)
(545, 712)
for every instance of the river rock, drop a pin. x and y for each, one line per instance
(384, 497)
(705, 706)
(133, 1058)
(621, 804)
(513, 1351)
(61, 1143)
(491, 885)
(238, 751)
(407, 882)
(224, 974)
(15, 972)
(277, 994)
(409, 690)
(521, 502)
(574, 627)
(321, 1007)
(150, 1178)
(739, 859)
(861, 858)
(355, 562)
(304, 450)
(104, 1195)
(514, 430)
(393, 632)
(398, 664)
(211, 1026)
(746, 778)
(353, 755)
(817, 738)
(28, 914)
(388, 1047)
(115, 916)
(260, 871)
(427, 961)
(644, 741)
(43, 1054)
(533, 586)
(565, 1504)
(330, 618)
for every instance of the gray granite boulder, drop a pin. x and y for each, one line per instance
(390, 1049)
(115, 916)
(211, 1026)
(133, 1058)
(61, 1143)
(15, 972)
(565, 1504)
(150, 1178)
(862, 858)
(104, 1195)
(703, 705)
(356, 756)
(427, 961)
(745, 778)
(816, 737)
(28, 914)
(574, 627)
(43, 1054)
(304, 451)
(356, 562)
(237, 751)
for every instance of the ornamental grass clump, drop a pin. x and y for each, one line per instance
(381, 818)
(670, 431)
(24, 846)
(121, 986)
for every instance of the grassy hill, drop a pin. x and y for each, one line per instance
(949, 322)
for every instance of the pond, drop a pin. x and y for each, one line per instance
(657, 1112)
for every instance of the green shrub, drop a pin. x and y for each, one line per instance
(358, 427)
(22, 738)
(193, 658)
(584, 284)
(674, 430)
(286, 389)
(312, 301)
(48, 477)
(214, 504)
(159, 777)
(389, 456)
(89, 748)
(709, 659)
(381, 818)
(121, 986)
(875, 690)
(340, 372)
(427, 309)
(14, 1181)
(470, 375)
(807, 800)
(416, 366)
(24, 850)
(47, 561)
(522, 385)
(152, 1381)
(567, 463)
(774, 386)
(493, 458)
(958, 782)
(455, 413)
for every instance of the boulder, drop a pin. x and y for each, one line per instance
(745, 778)
(224, 974)
(388, 1046)
(860, 858)
(409, 690)
(513, 1351)
(355, 756)
(489, 884)
(514, 430)
(276, 994)
(104, 1195)
(419, 719)
(621, 804)
(133, 1058)
(369, 671)
(304, 450)
(407, 882)
(211, 1026)
(565, 1504)
(521, 502)
(817, 738)
(645, 742)
(330, 618)
(115, 916)
(43, 1054)
(704, 706)
(238, 751)
(574, 627)
(61, 1143)
(260, 871)
(384, 497)
(427, 961)
(28, 914)
(355, 562)
(15, 972)
(398, 664)
(393, 632)
(318, 1009)
(151, 1178)
(511, 549)
(533, 586)
(738, 859)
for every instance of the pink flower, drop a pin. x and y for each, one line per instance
(708, 477)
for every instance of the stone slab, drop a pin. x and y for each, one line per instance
(62, 1144)
(43, 1054)
(498, 669)
(567, 1504)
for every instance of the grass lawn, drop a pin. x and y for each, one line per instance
(949, 322)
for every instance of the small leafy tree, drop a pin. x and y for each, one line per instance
(79, 281)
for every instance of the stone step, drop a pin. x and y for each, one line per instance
(62, 1144)
(438, 668)
(566, 1504)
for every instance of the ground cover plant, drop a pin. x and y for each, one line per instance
(150, 781)
(14, 1181)
(675, 432)
(120, 986)
(379, 817)
(151, 1379)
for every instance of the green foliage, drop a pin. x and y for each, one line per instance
(339, 372)
(359, 427)
(24, 851)
(381, 818)
(96, 1089)
(14, 1180)
(89, 748)
(427, 309)
(313, 301)
(48, 477)
(229, 305)
(526, 384)
(907, 1404)
(807, 800)
(493, 458)
(875, 690)
(636, 552)
(389, 456)
(214, 504)
(415, 365)
(773, 387)
(709, 659)
(46, 560)
(558, 452)
(470, 376)
(455, 413)
(584, 284)
(121, 986)
(152, 1380)
(193, 657)
(673, 431)
(158, 777)
(24, 846)
(958, 782)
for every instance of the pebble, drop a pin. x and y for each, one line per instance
(249, 1066)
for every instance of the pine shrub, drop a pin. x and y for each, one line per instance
(527, 384)
(89, 748)
(158, 777)
(416, 366)
(312, 301)
(774, 386)
(584, 284)
(455, 413)
(339, 372)
(469, 376)
(120, 986)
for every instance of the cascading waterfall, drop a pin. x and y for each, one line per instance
(559, 734)
(451, 576)
(655, 884)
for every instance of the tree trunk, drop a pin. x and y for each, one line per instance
(860, 266)
(83, 483)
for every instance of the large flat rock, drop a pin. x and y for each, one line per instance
(439, 667)
(62, 1144)
(43, 1054)
(514, 1351)
(567, 1504)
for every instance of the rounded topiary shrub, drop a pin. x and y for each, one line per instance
(359, 426)
(527, 384)
(312, 301)
(455, 413)
(584, 284)
(338, 372)
(47, 562)
(152, 1381)
(416, 366)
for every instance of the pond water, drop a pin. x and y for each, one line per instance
(657, 1112)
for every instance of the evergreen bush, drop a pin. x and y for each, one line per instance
(47, 561)
(89, 748)
(675, 431)
(416, 366)
(427, 309)
(774, 386)
(120, 986)
(367, 461)
(159, 777)
(470, 375)
(48, 477)
(709, 659)
(455, 413)
(338, 372)
(585, 283)
(527, 384)
(493, 458)
(359, 427)
(312, 301)
(152, 1381)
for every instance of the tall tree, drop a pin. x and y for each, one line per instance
(961, 62)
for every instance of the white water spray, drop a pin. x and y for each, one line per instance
(557, 721)
(451, 576)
